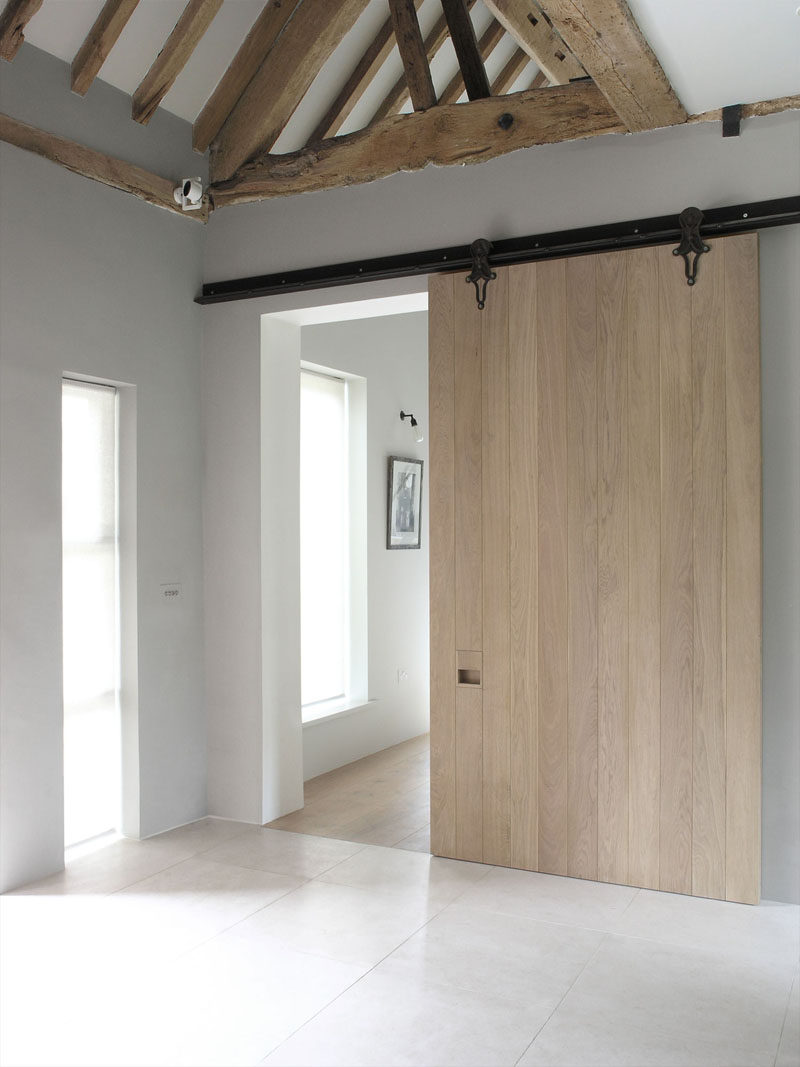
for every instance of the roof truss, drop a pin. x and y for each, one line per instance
(602, 77)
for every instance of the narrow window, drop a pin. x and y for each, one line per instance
(91, 613)
(323, 540)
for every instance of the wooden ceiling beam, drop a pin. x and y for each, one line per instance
(470, 60)
(398, 94)
(96, 165)
(358, 82)
(603, 34)
(281, 82)
(534, 34)
(412, 52)
(511, 71)
(444, 135)
(15, 17)
(262, 36)
(489, 41)
(173, 57)
(100, 39)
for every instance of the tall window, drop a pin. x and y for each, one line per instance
(324, 539)
(90, 604)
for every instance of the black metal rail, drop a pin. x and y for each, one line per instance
(638, 233)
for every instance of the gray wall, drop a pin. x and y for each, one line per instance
(577, 184)
(780, 386)
(97, 283)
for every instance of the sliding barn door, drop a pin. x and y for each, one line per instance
(596, 570)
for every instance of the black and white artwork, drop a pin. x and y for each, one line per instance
(404, 518)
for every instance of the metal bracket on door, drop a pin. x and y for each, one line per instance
(481, 273)
(692, 244)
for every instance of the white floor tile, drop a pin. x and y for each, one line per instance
(593, 905)
(296, 855)
(345, 923)
(516, 958)
(718, 925)
(386, 1020)
(643, 1002)
(429, 880)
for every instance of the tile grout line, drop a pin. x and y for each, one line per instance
(793, 983)
(535, 1037)
(397, 947)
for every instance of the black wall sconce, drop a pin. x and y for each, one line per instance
(414, 426)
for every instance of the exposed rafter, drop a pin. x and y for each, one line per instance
(358, 82)
(100, 39)
(281, 81)
(487, 44)
(398, 94)
(412, 52)
(470, 60)
(173, 57)
(535, 35)
(262, 36)
(604, 35)
(15, 17)
(445, 135)
(95, 165)
(510, 72)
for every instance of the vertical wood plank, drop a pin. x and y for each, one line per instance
(581, 382)
(442, 563)
(644, 546)
(675, 832)
(552, 565)
(522, 564)
(708, 490)
(743, 534)
(468, 566)
(468, 424)
(612, 573)
(469, 774)
(496, 618)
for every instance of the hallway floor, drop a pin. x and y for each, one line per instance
(379, 800)
(223, 943)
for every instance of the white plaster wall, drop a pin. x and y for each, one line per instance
(392, 354)
(94, 282)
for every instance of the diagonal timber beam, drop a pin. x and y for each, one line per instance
(533, 33)
(95, 165)
(262, 36)
(173, 57)
(603, 34)
(487, 44)
(511, 71)
(398, 94)
(412, 52)
(470, 60)
(100, 39)
(444, 135)
(281, 82)
(358, 82)
(15, 17)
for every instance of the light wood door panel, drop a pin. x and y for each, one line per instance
(595, 545)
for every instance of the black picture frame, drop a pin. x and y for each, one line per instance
(404, 503)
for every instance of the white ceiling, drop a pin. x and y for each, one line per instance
(715, 52)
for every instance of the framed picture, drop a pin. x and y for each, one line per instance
(404, 513)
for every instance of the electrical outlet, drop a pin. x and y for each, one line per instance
(402, 675)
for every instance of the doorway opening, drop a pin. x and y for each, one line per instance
(357, 750)
(91, 641)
